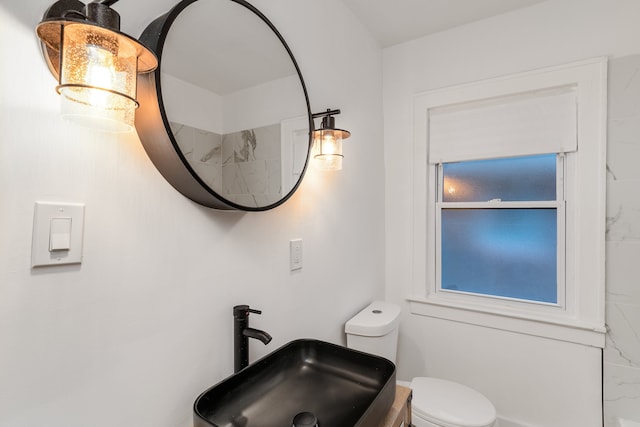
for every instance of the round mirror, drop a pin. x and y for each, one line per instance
(225, 117)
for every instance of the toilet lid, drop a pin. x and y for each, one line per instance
(450, 404)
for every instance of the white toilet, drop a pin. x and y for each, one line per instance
(436, 402)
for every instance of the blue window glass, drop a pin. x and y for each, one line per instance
(530, 178)
(500, 252)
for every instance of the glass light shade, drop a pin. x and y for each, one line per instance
(328, 149)
(98, 78)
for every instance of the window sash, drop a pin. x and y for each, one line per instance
(559, 205)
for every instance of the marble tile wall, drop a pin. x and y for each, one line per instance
(622, 351)
(251, 166)
(203, 151)
(244, 167)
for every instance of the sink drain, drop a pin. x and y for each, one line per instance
(305, 419)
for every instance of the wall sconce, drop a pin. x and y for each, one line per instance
(327, 142)
(95, 64)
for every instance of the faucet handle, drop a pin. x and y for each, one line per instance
(244, 310)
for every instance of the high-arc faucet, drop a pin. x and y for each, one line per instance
(241, 334)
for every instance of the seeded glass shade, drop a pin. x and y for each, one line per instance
(328, 148)
(95, 64)
(98, 78)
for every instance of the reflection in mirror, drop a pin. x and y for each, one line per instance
(232, 104)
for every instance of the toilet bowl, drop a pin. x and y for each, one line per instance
(436, 402)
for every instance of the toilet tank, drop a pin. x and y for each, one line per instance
(375, 330)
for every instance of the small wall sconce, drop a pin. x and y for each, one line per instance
(95, 64)
(327, 141)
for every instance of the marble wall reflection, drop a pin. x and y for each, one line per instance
(622, 352)
(244, 167)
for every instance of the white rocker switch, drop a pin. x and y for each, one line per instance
(60, 234)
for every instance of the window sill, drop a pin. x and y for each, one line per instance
(557, 329)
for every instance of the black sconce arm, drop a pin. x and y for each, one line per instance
(105, 2)
(329, 112)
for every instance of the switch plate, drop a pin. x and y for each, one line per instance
(57, 234)
(295, 254)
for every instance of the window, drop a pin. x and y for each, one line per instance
(509, 203)
(500, 224)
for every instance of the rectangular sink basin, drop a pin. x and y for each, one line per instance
(341, 387)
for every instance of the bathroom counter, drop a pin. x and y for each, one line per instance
(400, 412)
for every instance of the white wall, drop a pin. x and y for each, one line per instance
(136, 332)
(532, 381)
(192, 105)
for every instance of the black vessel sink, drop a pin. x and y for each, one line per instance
(340, 387)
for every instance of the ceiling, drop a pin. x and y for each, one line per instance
(397, 21)
(389, 21)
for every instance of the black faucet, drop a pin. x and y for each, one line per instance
(241, 334)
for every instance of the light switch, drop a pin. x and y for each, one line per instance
(60, 234)
(57, 234)
(295, 254)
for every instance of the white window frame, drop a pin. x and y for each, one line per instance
(579, 317)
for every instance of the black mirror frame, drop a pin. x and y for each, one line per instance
(155, 133)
